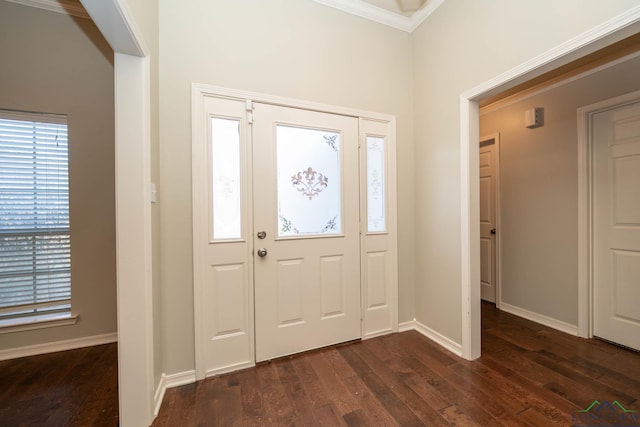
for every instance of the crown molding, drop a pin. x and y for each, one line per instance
(354, 7)
(60, 6)
(421, 15)
(382, 16)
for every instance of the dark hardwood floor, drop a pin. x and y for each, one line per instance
(67, 388)
(528, 375)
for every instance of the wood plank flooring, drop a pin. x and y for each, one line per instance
(528, 375)
(67, 388)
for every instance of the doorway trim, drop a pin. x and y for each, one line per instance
(585, 207)
(132, 91)
(605, 34)
(498, 255)
(369, 125)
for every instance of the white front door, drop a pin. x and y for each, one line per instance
(616, 224)
(488, 215)
(306, 230)
(282, 229)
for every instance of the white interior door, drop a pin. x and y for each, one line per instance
(488, 215)
(306, 230)
(616, 224)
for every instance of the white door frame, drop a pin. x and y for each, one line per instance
(133, 210)
(374, 321)
(498, 255)
(605, 34)
(585, 204)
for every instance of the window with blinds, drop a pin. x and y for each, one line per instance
(35, 259)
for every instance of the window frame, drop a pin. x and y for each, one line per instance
(46, 312)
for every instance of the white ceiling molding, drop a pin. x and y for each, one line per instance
(382, 16)
(422, 14)
(355, 7)
(68, 7)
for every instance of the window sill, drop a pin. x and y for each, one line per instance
(37, 322)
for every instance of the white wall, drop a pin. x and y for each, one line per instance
(461, 45)
(539, 190)
(292, 48)
(58, 64)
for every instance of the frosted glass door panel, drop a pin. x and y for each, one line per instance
(375, 185)
(225, 174)
(309, 187)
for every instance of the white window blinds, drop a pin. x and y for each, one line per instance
(35, 264)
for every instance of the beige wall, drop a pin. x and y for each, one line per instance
(463, 44)
(300, 49)
(57, 64)
(539, 191)
(292, 48)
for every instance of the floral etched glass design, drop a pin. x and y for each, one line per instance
(309, 187)
(375, 185)
(225, 175)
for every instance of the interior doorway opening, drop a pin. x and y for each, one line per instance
(490, 218)
(575, 54)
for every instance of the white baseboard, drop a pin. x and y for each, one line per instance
(51, 347)
(437, 337)
(168, 381)
(229, 368)
(540, 318)
(407, 326)
(188, 377)
(376, 334)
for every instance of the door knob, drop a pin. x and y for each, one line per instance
(493, 231)
(262, 252)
